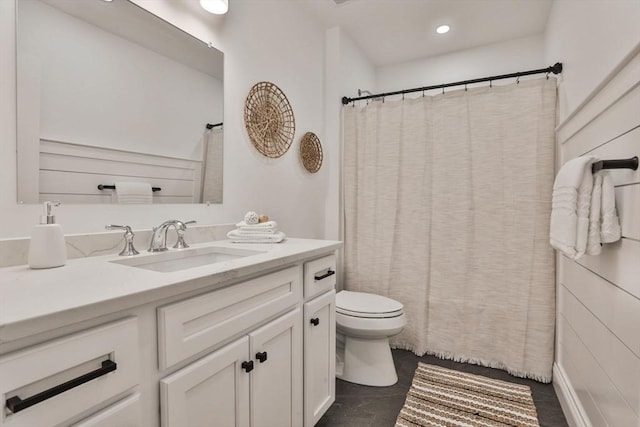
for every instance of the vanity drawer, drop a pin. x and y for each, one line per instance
(319, 276)
(50, 383)
(188, 327)
(125, 413)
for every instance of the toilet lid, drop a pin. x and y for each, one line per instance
(362, 304)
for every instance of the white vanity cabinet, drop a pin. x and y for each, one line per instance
(239, 344)
(319, 338)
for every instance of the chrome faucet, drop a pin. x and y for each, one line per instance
(159, 237)
(128, 249)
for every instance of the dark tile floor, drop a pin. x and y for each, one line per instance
(362, 406)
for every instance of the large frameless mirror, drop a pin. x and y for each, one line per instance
(109, 93)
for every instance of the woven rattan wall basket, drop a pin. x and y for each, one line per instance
(269, 119)
(311, 152)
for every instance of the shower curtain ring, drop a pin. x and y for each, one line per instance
(403, 96)
(547, 76)
(490, 83)
(518, 80)
(423, 93)
(465, 87)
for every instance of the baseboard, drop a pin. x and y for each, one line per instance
(571, 406)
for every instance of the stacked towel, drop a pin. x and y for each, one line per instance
(133, 193)
(264, 232)
(582, 205)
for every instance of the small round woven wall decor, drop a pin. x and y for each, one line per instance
(311, 152)
(269, 119)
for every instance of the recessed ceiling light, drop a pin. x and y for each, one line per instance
(219, 7)
(443, 29)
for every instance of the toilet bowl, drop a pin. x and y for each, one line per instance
(364, 323)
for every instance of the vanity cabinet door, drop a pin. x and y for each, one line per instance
(319, 356)
(276, 381)
(213, 391)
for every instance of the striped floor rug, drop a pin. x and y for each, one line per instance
(444, 397)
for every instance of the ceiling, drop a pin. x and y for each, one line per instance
(393, 31)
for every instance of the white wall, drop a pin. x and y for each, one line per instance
(346, 70)
(597, 369)
(499, 58)
(273, 41)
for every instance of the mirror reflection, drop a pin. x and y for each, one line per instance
(110, 94)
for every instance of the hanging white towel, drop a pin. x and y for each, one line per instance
(237, 237)
(594, 246)
(570, 207)
(609, 222)
(133, 193)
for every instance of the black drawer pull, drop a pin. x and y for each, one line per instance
(329, 272)
(247, 366)
(315, 321)
(15, 404)
(262, 357)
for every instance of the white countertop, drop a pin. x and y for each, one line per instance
(84, 288)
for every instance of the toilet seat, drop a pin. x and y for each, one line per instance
(365, 305)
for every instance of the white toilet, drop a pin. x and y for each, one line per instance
(364, 323)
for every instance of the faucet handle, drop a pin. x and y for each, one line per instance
(128, 249)
(180, 243)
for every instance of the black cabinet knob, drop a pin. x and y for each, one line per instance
(247, 366)
(262, 356)
(315, 321)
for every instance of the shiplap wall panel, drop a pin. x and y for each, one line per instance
(56, 162)
(79, 183)
(598, 331)
(577, 375)
(598, 296)
(79, 150)
(599, 397)
(614, 121)
(620, 82)
(617, 361)
(71, 173)
(619, 263)
(628, 205)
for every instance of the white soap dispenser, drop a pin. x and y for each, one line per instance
(47, 248)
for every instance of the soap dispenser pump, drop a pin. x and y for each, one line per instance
(47, 248)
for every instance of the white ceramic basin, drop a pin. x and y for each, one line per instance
(183, 259)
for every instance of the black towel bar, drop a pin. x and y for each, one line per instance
(631, 163)
(113, 187)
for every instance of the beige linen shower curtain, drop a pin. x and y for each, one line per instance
(447, 201)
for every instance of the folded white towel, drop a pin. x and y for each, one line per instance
(268, 225)
(246, 230)
(236, 237)
(609, 222)
(133, 193)
(570, 207)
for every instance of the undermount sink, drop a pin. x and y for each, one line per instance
(183, 259)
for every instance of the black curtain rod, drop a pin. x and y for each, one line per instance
(555, 69)
(211, 126)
